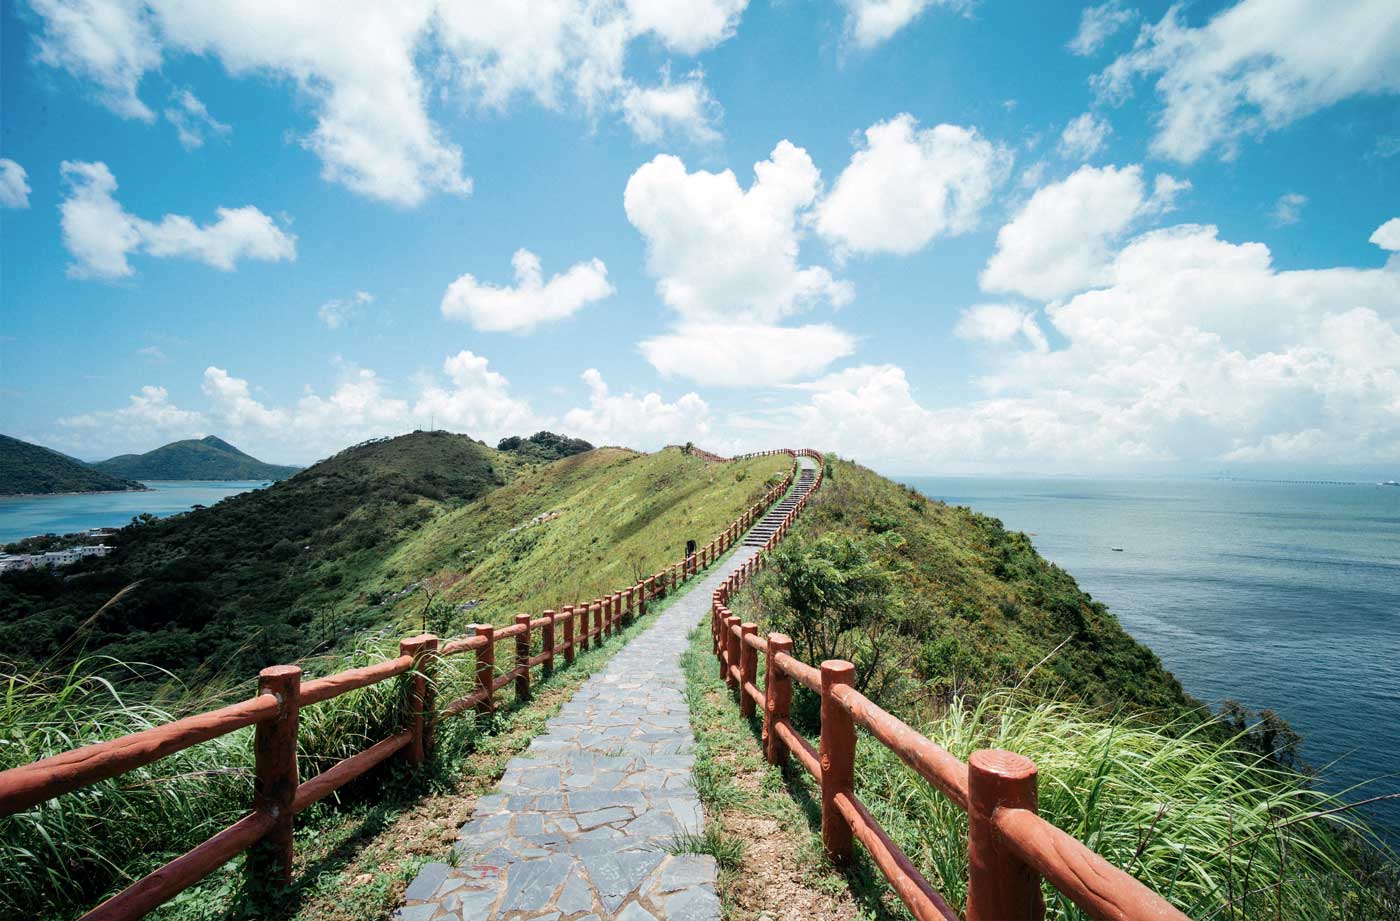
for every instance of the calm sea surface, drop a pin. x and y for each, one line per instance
(30, 515)
(1278, 595)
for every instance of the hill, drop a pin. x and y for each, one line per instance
(931, 600)
(208, 458)
(543, 447)
(28, 469)
(359, 544)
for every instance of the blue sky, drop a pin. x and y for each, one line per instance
(980, 237)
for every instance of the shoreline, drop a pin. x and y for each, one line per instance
(81, 492)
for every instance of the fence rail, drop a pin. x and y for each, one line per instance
(1010, 847)
(278, 792)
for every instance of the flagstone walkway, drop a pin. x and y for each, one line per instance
(579, 826)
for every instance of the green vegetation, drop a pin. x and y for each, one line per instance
(208, 458)
(543, 447)
(960, 628)
(28, 469)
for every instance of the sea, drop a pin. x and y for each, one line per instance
(27, 516)
(1278, 595)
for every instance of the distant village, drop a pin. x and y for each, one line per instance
(64, 556)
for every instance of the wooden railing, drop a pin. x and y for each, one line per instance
(1010, 847)
(278, 792)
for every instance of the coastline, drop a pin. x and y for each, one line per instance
(79, 492)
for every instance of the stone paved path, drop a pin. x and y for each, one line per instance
(579, 825)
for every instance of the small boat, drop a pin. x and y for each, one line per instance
(1116, 549)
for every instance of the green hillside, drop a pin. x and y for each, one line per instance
(208, 458)
(28, 469)
(931, 599)
(364, 541)
(543, 447)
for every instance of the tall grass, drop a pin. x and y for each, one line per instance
(1219, 832)
(60, 857)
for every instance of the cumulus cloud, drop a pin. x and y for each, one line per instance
(1061, 239)
(1387, 236)
(1288, 209)
(193, 123)
(370, 68)
(684, 109)
(645, 422)
(14, 185)
(336, 312)
(871, 22)
(1084, 136)
(148, 417)
(721, 252)
(1001, 324)
(532, 301)
(100, 234)
(1097, 24)
(746, 355)
(907, 186)
(1193, 350)
(1256, 67)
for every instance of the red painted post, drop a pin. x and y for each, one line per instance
(522, 658)
(777, 699)
(275, 775)
(629, 605)
(748, 668)
(598, 620)
(568, 615)
(641, 599)
(418, 705)
(999, 885)
(838, 760)
(547, 644)
(583, 640)
(722, 644)
(486, 669)
(731, 645)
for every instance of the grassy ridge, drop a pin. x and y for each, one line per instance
(207, 458)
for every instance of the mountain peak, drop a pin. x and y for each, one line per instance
(214, 441)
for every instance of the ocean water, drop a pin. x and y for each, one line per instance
(1277, 595)
(26, 516)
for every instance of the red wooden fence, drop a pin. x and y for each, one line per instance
(1010, 847)
(278, 793)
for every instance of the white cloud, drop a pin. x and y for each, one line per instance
(1061, 240)
(871, 22)
(192, 121)
(14, 185)
(476, 400)
(1288, 209)
(646, 422)
(1256, 67)
(234, 403)
(687, 26)
(1000, 324)
(336, 312)
(720, 252)
(110, 43)
(148, 419)
(685, 108)
(100, 234)
(746, 355)
(1097, 24)
(1387, 236)
(907, 186)
(152, 353)
(1084, 136)
(532, 301)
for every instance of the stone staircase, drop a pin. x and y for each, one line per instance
(770, 522)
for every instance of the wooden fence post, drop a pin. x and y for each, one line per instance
(999, 886)
(486, 669)
(722, 643)
(568, 615)
(642, 599)
(731, 646)
(418, 705)
(838, 760)
(777, 699)
(629, 605)
(275, 776)
(522, 658)
(748, 668)
(547, 642)
(598, 620)
(582, 611)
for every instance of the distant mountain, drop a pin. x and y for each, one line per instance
(31, 469)
(207, 458)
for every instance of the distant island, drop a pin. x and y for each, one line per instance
(28, 469)
(208, 458)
